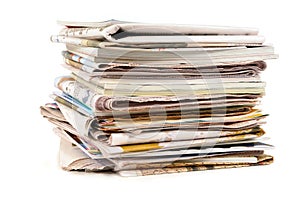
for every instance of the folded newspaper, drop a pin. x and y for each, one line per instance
(144, 99)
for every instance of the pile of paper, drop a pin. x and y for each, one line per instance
(147, 99)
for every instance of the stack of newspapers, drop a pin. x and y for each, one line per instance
(144, 99)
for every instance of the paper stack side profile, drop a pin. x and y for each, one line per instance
(145, 99)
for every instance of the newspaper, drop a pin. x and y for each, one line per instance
(144, 99)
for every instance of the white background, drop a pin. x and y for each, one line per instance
(30, 62)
